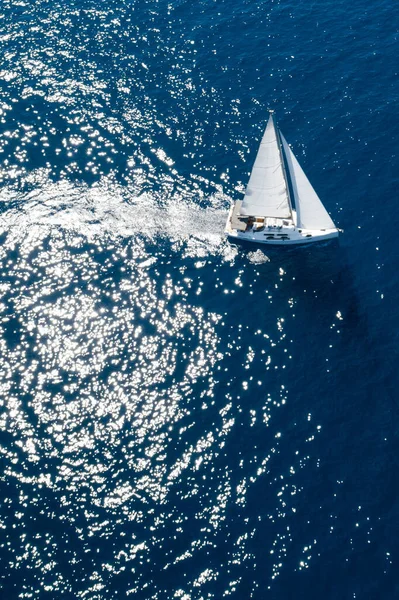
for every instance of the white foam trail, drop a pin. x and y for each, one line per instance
(110, 210)
(258, 257)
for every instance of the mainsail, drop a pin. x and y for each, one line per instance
(267, 194)
(311, 213)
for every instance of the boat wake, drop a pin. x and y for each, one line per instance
(108, 210)
(258, 257)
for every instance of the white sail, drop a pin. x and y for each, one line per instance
(266, 194)
(311, 213)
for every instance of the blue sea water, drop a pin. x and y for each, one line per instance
(181, 417)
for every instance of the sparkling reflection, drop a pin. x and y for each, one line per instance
(174, 410)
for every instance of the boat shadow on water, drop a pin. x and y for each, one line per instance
(330, 300)
(320, 271)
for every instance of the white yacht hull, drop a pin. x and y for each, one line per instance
(278, 235)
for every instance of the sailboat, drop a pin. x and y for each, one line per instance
(280, 205)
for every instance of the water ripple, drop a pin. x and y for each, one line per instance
(180, 417)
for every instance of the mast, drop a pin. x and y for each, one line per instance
(282, 161)
(291, 175)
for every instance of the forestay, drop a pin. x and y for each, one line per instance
(311, 213)
(267, 194)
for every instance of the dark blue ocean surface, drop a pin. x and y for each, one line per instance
(182, 418)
